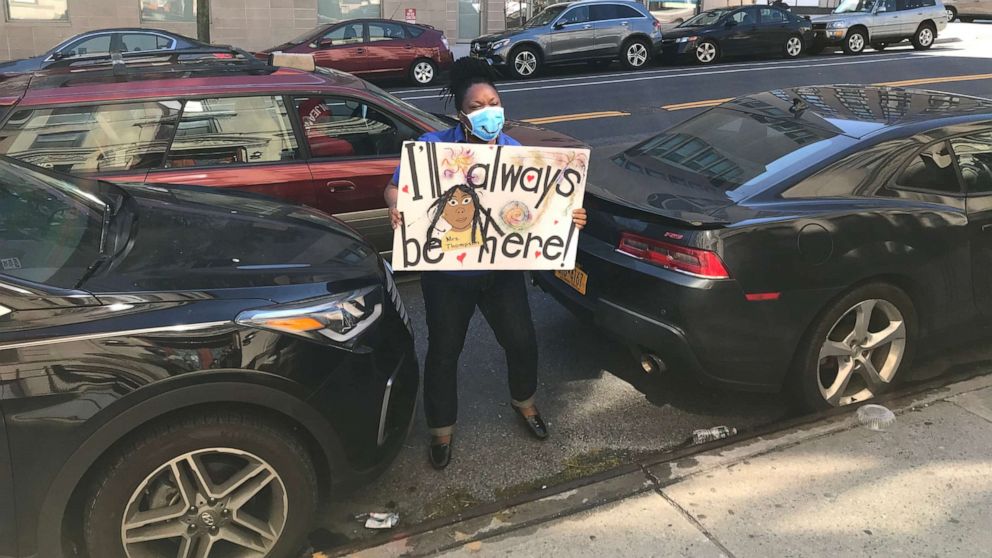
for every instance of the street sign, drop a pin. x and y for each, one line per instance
(411, 15)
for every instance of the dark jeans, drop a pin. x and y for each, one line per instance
(450, 301)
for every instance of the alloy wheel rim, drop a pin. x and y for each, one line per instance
(705, 52)
(637, 54)
(926, 36)
(525, 63)
(794, 46)
(209, 502)
(423, 72)
(862, 352)
(856, 42)
(950, 14)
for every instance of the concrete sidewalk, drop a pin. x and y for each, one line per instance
(829, 488)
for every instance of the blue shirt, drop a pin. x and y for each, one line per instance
(456, 135)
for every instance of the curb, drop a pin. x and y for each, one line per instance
(651, 473)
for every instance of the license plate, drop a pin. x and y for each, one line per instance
(575, 278)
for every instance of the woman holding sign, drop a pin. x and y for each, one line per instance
(451, 297)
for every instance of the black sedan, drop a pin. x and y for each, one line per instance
(102, 41)
(184, 372)
(750, 30)
(814, 238)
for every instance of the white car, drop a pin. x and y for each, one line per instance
(856, 24)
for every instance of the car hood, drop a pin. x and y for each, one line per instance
(676, 32)
(847, 18)
(21, 66)
(501, 35)
(528, 134)
(195, 239)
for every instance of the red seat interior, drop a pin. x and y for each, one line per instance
(315, 111)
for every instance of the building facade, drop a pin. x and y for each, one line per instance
(30, 27)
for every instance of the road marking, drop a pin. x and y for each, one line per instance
(682, 75)
(904, 83)
(577, 116)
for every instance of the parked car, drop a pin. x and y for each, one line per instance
(673, 11)
(185, 366)
(968, 10)
(742, 31)
(325, 139)
(814, 238)
(375, 49)
(592, 31)
(855, 24)
(102, 41)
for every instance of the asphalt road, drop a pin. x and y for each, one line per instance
(602, 408)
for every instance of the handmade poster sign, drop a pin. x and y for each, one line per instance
(474, 207)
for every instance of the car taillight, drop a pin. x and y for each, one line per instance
(657, 24)
(693, 261)
(445, 41)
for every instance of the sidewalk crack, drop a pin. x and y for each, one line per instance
(967, 410)
(692, 519)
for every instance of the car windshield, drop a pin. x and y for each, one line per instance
(546, 16)
(51, 230)
(431, 120)
(704, 19)
(725, 148)
(849, 6)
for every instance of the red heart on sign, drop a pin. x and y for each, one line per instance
(461, 257)
(537, 254)
(556, 221)
(530, 178)
(406, 189)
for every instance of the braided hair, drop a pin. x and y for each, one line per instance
(465, 73)
(438, 208)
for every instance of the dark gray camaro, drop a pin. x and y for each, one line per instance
(594, 31)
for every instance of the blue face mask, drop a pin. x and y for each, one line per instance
(486, 122)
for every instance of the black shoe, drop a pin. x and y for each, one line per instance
(440, 455)
(535, 425)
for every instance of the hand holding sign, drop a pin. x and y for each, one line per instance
(465, 207)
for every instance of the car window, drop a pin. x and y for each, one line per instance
(87, 139)
(138, 42)
(743, 17)
(888, 6)
(343, 127)
(347, 34)
(579, 14)
(90, 45)
(773, 16)
(932, 169)
(49, 229)
(974, 155)
(600, 12)
(627, 11)
(225, 131)
(381, 31)
(414, 31)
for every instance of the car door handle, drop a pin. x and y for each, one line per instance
(360, 50)
(587, 26)
(625, 23)
(340, 186)
(408, 47)
(987, 227)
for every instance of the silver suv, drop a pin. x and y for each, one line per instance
(855, 24)
(593, 31)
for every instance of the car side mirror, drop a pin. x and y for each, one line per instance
(559, 26)
(324, 43)
(730, 23)
(63, 54)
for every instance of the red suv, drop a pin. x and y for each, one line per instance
(376, 48)
(325, 139)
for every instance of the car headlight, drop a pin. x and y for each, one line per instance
(500, 44)
(838, 25)
(686, 39)
(339, 318)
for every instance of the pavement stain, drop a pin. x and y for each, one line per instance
(450, 503)
(575, 467)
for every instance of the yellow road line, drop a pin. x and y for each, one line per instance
(695, 104)
(947, 79)
(578, 116)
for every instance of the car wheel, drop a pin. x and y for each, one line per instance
(423, 72)
(855, 42)
(952, 13)
(855, 349)
(793, 46)
(525, 63)
(635, 54)
(208, 485)
(924, 37)
(706, 52)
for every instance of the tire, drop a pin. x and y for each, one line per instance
(423, 71)
(952, 13)
(635, 54)
(706, 52)
(924, 37)
(855, 42)
(793, 47)
(818, 363)
(879, 46)
(279, 487)
(524, 62)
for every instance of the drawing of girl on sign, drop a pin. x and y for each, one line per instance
(461, 211)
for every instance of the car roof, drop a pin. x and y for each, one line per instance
(859, 111)
(176, 79)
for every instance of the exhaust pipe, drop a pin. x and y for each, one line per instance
(652, 363)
